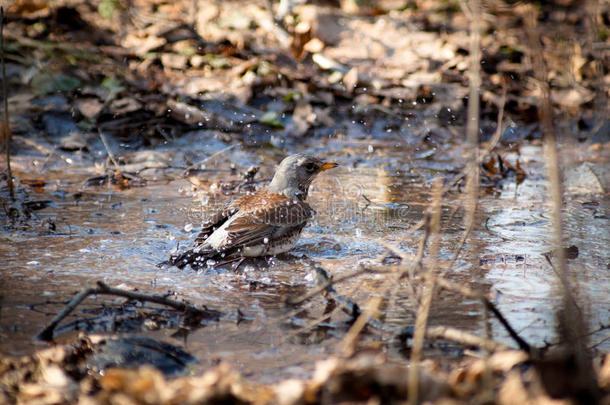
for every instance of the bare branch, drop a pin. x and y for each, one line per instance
(102, 288)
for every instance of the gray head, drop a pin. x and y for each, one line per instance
(295, 173)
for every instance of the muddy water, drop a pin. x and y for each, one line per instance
(380, 191)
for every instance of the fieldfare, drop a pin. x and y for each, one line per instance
(264, 223)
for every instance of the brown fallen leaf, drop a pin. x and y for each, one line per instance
(350, 79)
(89, 107)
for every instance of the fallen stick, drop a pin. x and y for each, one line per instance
(464, 338)
(47, 333)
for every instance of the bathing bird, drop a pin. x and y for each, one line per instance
(264, 223)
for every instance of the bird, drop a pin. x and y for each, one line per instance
(266, 222)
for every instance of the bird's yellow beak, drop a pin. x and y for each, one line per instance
(328, 165)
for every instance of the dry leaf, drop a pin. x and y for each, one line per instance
(350, 80)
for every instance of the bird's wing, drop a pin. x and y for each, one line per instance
(264, 215)
(215, 221)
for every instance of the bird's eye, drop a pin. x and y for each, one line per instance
(310, 167)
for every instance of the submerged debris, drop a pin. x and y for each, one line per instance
(123, 180)
(135, 351)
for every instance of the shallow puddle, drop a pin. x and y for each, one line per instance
(379, 192)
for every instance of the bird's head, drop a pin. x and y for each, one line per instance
(295, 173)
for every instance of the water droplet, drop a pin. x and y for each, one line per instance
(188, 227)
(371, 149)
(266, 240)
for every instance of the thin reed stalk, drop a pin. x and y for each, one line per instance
(6, 129)
(571, 319)
(421, 320)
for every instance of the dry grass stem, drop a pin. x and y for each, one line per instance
(473, 173)
(571, 322)
(310, 325)
(465, 338)
(323, 287)
(423, 311)
(212, 156)
(6, 128)
(108, 151)
(350, 340)
(472, 126)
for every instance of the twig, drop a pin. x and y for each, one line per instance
(102, 288)
(108, 151)
(467, 292)
(349, 307)
(464, 338)
(325, 286)
(488, 149)
(421, 320)
(310, 325)
(6, 129)
(212, 156)
(571, 323)
(349, 341)
(43, 149)
(599, 342)
(473, 172)
(523, 345)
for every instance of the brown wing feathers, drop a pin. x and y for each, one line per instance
(215, 222)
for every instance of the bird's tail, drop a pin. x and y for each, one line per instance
(196, 258)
